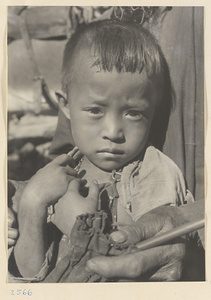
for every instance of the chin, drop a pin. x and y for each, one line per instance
(108, 166)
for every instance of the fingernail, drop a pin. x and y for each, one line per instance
(117, 237)
(95, 181)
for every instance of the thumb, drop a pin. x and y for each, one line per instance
(74, 186)
(94, 190)
(158, 220)
(145, 227)
(114, 266)
(130, 234)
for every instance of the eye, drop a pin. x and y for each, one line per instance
(96, 111)
(134, 114)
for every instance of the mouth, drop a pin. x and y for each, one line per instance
(111, 151)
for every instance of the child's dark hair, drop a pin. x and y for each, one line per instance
(124, 47)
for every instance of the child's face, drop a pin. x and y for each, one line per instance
(110, 115)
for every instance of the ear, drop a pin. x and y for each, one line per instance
(63, 103)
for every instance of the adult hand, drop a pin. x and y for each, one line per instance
(163, 263)
(12, 228)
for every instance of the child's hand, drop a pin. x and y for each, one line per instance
(12, 228)
(73, 204)
(51, 182)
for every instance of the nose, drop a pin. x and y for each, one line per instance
(113, 130)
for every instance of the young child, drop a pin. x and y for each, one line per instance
(116, 93)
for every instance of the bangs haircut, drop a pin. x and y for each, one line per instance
(124, 47)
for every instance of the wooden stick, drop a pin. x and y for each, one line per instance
(165, 237)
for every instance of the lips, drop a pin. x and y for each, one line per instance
(111, 151)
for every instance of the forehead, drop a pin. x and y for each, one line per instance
(88, 76)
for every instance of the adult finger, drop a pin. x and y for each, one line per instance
(13, 233)
(170, 272)
(63, 160)
(159, 220)
(11, 218)
(137, 264)
(154, 222)
(129, 234)
(11, 242)
(11, 221)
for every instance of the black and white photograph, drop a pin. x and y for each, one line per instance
(106, 132)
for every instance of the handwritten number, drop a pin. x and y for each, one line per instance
(24, 292)
(18, 292)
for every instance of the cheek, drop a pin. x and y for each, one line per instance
(83, 132)
(137, 135)
(75, 129)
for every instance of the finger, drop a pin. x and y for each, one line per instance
(111, 267)
(159, 220)
(11, 218)
(151, 224)
(70, 171)
(11, 242)
(74, 185)
(94, 190)
(53, 218)
(75, 153)
(144, 228)
(118, 236)
(170, 272)
(131, 234)
(130, 265)
(13, 233)
(63, 160)
(11, 221)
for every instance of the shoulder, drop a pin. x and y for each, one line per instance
(158, 161)
(156, 155)
(155, 165)
(152, 182)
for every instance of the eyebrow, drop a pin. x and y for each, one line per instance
(141, 105)
(102, 102)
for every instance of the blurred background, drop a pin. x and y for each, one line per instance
(36, 39)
